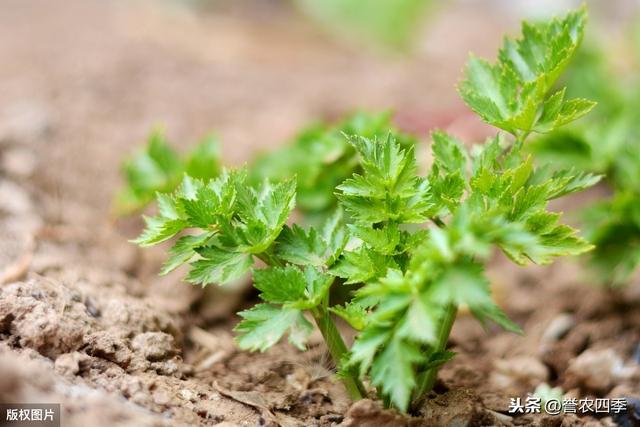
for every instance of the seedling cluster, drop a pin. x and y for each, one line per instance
(412, 248)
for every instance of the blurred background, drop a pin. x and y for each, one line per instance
(82, 84)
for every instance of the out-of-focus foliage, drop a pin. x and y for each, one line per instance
(389, 23)
(321, 158)
(607, 143)
(158, 168)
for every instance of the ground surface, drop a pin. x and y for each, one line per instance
(84, 319)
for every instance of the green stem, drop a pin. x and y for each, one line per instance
(439, 222)
(333, 339)
(337, 349)
(427, 379)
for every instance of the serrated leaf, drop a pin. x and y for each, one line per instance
(392, 371)
(264, 325)
(280, 284)
(388, 189)
(461, 283)
(159, 229)
(366, 346)
(218, 266)
(512, 93)
(183, 250)
(354, 313)
(449, 153)
(360, 266)
(420, 323)
(382, 240)
(299, 247)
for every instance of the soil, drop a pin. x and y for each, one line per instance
(86, 322)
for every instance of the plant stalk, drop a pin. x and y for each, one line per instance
(338, 349)
(427, 379)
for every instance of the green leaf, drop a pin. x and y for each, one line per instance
(449, 153)
(299, 247)
(512, 93)
(389, 189)
(392, 371)
(360, 266)
(490, 311)
(384, 241)
(264, 325)
(320, 158)
(438, 359)
(183, 250)
(354, 313)
(159, 229)
(280, 284)
(218, 266)
(421, 321)
(462, 283)
(366, 346)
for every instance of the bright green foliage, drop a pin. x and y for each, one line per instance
(608, 143)
(321, 158)
(502, 203)
(265, 324)
(236, 220)
(412, 247)
(158, 168)
(512, 94)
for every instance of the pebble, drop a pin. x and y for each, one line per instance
(636, 354)
(154, 346)
(598, 370)
(519, 371)
(557, 328)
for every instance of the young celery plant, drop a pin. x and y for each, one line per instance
(414, 247)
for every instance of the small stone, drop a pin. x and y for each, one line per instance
(519, 372)
(70, 363)
(161, 396)
(187, 394)
(108, 346)
(597, 370)
(636, 354)
(558, 328)
(154, 346)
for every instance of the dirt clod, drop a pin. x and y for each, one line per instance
(519, 373)
(597, 370)
(154, 346)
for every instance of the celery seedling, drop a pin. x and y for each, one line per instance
(414, 246)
